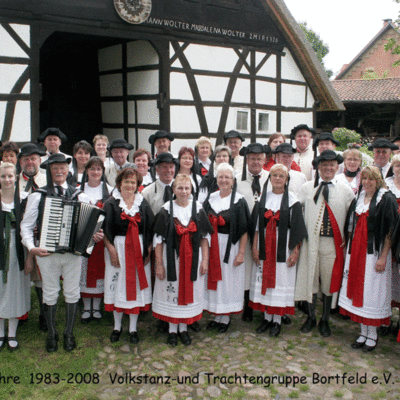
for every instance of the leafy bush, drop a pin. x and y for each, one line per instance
(345, 136)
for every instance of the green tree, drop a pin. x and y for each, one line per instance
(320, 48)
(392, 44)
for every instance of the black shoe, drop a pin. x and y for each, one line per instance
(264, 326)
(43, 323)
(308, 325)
(286, 320)
(133, 338)
(69, 342)
(96, 315)
(2, 339)
(115, 335)
(86, 320)
(222, 328)
(367, 348)
(275, 329)
(195, 327)
(212, 325)
(162, 326)
(172, 339)
(383, 330)
(185, 338)
(12, 348)
(358, 345)
(52, 343)
(324, 328)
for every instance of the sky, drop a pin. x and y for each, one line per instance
(346, 26)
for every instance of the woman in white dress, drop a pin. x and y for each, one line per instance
(127, 283)
(366, 290)
(273, 279)
(181, 244)
(92, 276)
(229, 215)
(352, 169)
(14, 281)
(141, 158)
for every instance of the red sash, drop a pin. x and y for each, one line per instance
(269, 264)
(355, 283)
(185, 295)
(214, 265)
(133, 257)
(338, 266)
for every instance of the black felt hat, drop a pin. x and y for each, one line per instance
(164, 157)
(233, 134)
(30, 148)
(285, 148)
(300, 128)
(324, 136)
(395, 139)
(120, 144)
(160, 135)
(327, 155)
(54, 132)
(54, 159)
(383, 144)
(255, 148)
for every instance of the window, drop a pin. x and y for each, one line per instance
(242, 120)
(263, 122)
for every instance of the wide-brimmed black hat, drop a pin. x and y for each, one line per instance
(300, 128)
(30, 148)
(233, 134)
(120, 144)
(324, 136)
(383, 144)
(160, 135)
(51, 131)
(56, 158)
(285, 148)
(255, 148)
(327, 155)
(164, 157)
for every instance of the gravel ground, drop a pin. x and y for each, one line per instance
(243, 364)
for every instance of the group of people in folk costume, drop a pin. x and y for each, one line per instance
(226, 231)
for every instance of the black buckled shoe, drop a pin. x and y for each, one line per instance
(358, 345)
(264, 326)
(172, 339)
(12, 348)
(324, 328)
(97, 315)
(286, 320)
(212, 325)
(195, 327)
(222, 328)
(115, 335)
(185, 338)
(275, 329)
(367, 348)
(69, 342)
(86, 317)
(133, 338)
(308, 325)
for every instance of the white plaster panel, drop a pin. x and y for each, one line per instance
(177, 64)
(292, 119)
(144, 135)
(111, 85)
(266, 93)
(244, 70)
(112, 133)
(21, 127)
(141, 52)
(241, 93)
(143, 82)
(131, 112)
(8, 47)
(148, 112)
(310, 98)
(24, 32)
(110, 58)
(213, 116)
(212, 88)
(179, 87)
(211, 58)
(3, 105)
(112, 112)
(293, 95)
(184, 119)
(9, 74)
(27, 88)
(269, 68)
(290, 69)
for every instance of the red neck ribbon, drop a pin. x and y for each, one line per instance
(185, 295)
(214, 265)
(133, 257)
(355, 283)
(203, 171)
(338, 266)
(269, 264)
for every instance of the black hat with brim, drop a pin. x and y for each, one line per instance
(324, 136)
(29, 149)
(120, 144)
(164, 158)
(233, 134)
(383, 144)
(285, 148)
(302, 127)
(53, 132)
(160, 135)
(255, 148)
(395, 139)
(328, 155)
(56, 158)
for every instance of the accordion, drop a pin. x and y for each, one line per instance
(69, 226)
